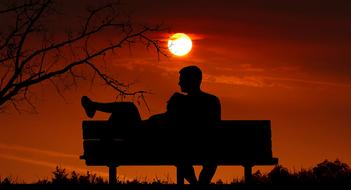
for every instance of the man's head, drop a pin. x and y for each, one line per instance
(190, 79)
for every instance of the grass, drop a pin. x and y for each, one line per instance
(327, 173)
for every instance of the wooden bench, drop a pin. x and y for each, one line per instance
(234, 142)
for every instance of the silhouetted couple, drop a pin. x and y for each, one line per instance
(195, 109)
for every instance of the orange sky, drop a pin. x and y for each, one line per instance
(287, 61)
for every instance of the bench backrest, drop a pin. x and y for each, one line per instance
(234, 141)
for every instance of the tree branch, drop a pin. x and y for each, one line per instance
(19, 68)
(27, 67)
(16, 8)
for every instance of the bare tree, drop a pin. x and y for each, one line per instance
(30, 53)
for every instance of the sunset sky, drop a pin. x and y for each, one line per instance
(286, 61)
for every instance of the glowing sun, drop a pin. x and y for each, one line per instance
(179, 44)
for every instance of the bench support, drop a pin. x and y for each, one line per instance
(180, 177)
(112, 174)
(248, 173)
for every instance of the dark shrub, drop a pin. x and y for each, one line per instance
(329, 172)
(279, 175)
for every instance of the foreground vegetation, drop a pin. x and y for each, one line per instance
(324, 173)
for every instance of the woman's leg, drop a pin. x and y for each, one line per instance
(91, 107)
(105, 107)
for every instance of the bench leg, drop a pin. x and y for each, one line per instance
(180, 177)
(248, 173)
(112, 175)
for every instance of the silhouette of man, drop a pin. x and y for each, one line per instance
(195, 109)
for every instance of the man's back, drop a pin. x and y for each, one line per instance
(200, 110)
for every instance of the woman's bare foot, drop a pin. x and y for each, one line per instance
(88, 106)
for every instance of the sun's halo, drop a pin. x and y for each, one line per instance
(179, 44)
